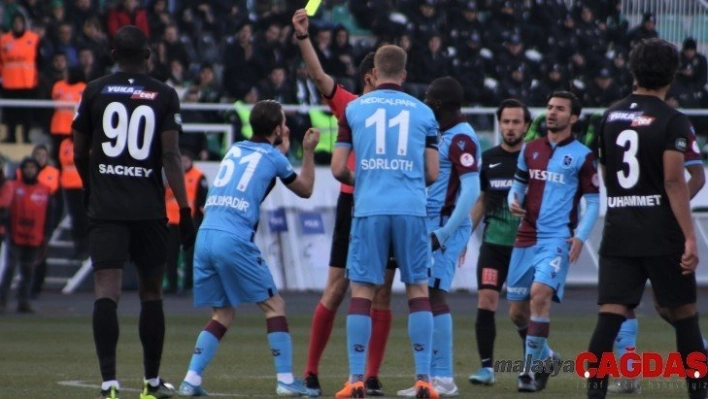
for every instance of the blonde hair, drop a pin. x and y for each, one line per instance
(390, 61)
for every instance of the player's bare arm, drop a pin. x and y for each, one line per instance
(172, 162)
(477, 212)
(340, 171)
(432, 165)
(325, 83)
(82, 149)
(305, 182)
(677, 191)
(697, 179)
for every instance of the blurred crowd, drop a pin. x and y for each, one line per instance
(244, 50)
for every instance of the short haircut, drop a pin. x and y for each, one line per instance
(654, 63)
(366, 65)
(575, 106)
(130, 45)
(266, 115)
(448, 91)
(390, 61)
(514, 103)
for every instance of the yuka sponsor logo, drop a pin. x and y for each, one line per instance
(641, 364)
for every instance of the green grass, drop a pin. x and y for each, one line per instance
(39, 355)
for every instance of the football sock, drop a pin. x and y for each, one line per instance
(486, 332)
(204, 350)
(689, 340)
(537, 338)
(627, 338)
(281, 345)
(105, 336)
(523, 331)
(358, 335)
(151, 329)
(420, 331)
(380, 329)
(441, 366)
(321, 329)
(606, 329)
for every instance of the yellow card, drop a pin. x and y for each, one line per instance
(312, 7)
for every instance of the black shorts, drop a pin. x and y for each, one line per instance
(112, 243)
(623, 279)
(340, 237)
(493, 266)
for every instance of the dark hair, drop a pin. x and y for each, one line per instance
(130, 46)
(76, 75)
(514, 103)
(266, 115)
(654, 63)
(366, 65)
(448, 91)
(575, 106)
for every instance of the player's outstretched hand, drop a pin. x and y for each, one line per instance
(689, 259)
(576, 247)
(516, 208)
(300, 22)
(187, 229)
(312, 137)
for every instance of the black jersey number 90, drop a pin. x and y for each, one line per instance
(124, 130)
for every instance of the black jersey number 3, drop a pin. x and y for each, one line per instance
(124, 130)
(629, 141)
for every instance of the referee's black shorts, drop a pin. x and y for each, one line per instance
(493, 266)
(112, 243)
(342, 227)
(623, 279)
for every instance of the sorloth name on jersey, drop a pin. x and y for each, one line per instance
(634, 200)
(121, 170)
(387, 164)
(545, 175)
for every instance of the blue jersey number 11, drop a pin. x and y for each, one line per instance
(378, 119)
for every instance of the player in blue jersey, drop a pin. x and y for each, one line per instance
(553, 173)
(450, 200)
(395, 139)
(228, 267)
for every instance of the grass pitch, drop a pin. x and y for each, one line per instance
(54, 357)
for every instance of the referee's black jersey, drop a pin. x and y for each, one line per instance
(124, 114)
(634, 133)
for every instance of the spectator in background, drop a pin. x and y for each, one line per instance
(6, 193)
(46, 48)
(19, 61)
(617, 26)
(268, 46)
(243, 66)
(693, 69)
(174, 48)
(69, 90)
(620, 72)
(468, 67)
(57, 16)
(34, 10)
(602, 90)
(29, 231)
(323, 47)
(55, 71)
(87, 64)
(209, 90)
(277, 87)
(562, 41)
(344, 69)
(178, 78)
(645, 30)
(80, 12)
(64, 42)
(516, 84)
(425, 21)
(464, 23)
(591, 37)
(94, 38)
(49, 177)
(234, 18)
(72, 187)
(158, 17)
(512, 57)
(127, 12)
(555, 79)
(197, 187)
(430, 63)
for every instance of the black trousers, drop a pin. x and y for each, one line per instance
(172, 268)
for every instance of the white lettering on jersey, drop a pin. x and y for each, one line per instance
(386, 164)
(390, 101)
(239, 204)
(501, 184)
(545, 175)
(121, 170)
(633, 200)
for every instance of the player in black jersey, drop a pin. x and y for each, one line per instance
(497, 176)
(125, 131)
(648, 230)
